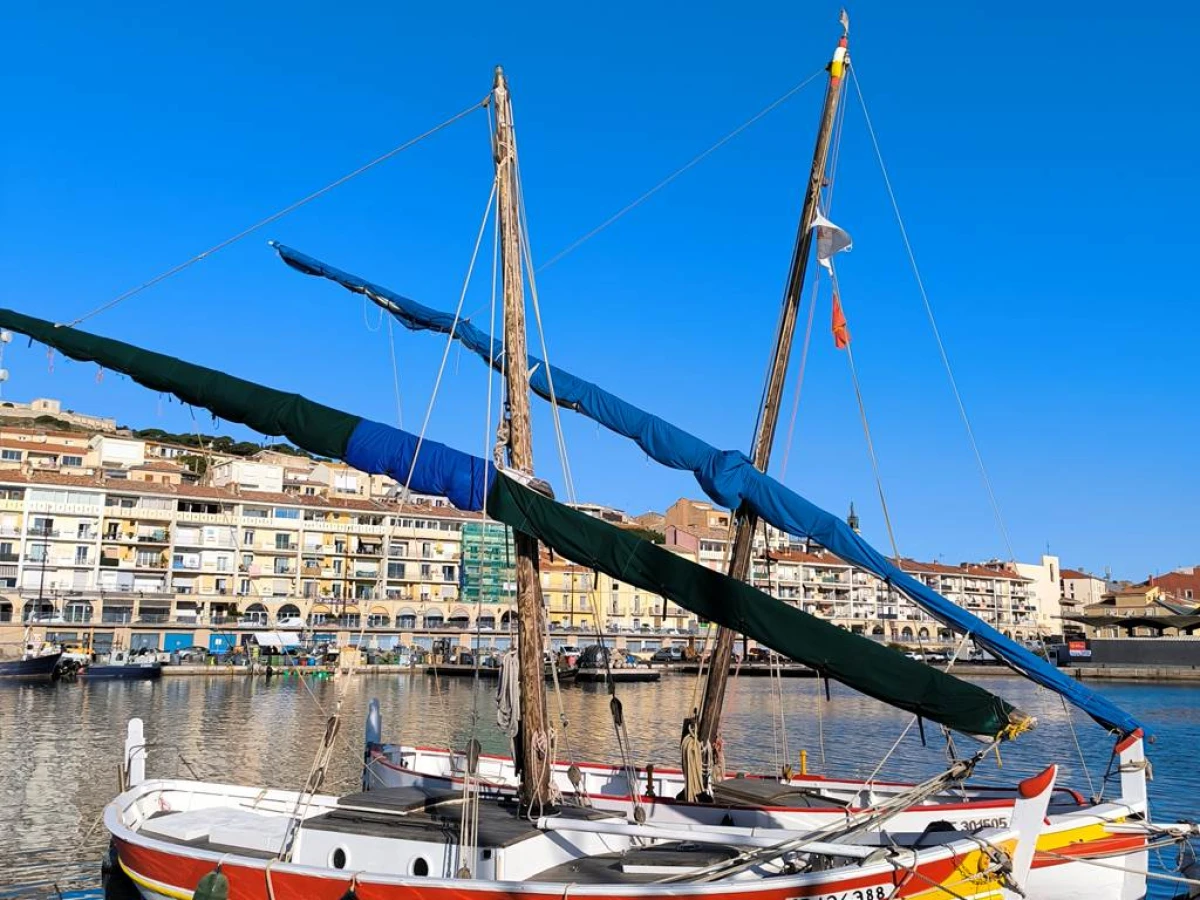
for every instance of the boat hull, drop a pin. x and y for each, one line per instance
(122, 673)
(1052, 876)
(172, 868)
(36, 668)
(619, 676)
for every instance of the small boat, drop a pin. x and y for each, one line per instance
(41, 665)
(605, 665)
(1114, 829)
(123, 666)
(171, 836)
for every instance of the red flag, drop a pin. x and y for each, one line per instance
(841, 331)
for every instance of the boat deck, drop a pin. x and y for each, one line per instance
(760, 792)
(410, 813)
(639, 866)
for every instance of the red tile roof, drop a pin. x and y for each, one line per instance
(1076, 574)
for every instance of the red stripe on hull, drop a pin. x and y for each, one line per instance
(183, 872)
(1116, 844)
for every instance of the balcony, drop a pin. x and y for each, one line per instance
(109, 562)
(157, 537)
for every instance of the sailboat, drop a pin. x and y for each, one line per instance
(1113, 828)
(183, 839)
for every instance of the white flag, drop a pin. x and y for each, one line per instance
(830, 240)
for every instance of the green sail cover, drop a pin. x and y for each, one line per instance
(318, 429)
(858, 662)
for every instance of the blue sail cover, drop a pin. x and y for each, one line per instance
(730, 479)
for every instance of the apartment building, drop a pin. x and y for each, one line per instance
(115, 535)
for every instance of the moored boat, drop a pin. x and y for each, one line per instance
(170, 836)
(33, 667)
(123, 666)
(1078, 831)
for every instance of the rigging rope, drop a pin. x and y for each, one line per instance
(695, 160)
(449, 341)
(862, 412)
(276, 216)
(395, 372)
(808, 327)
(937, 335)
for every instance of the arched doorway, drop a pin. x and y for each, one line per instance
(37, 611)
(906, 633)
(288, 611)
(406, 619)
(923, 634)
(378, 617)
(5, 612)
(460, 619)
(877, 631)
(255, 614)
(506, 619)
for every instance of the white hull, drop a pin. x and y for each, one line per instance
(1072, 822)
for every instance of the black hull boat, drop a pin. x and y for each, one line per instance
(33, 668)
(123, 672)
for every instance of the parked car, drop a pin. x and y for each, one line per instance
(668, 655)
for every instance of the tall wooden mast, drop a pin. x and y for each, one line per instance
(532, 737)
(764, 434)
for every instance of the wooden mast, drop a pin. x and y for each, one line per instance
(533, 755)
(741, 553)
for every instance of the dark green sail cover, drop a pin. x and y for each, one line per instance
(854, 660)
(864, 665)
(318, 429)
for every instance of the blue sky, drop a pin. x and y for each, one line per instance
(1042, 155)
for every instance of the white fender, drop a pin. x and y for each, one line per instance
(1029, 818)
(135, 753)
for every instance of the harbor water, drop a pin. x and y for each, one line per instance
(61, 744)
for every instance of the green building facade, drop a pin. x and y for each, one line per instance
(489, 573)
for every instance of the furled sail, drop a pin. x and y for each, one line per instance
(471, 482)
(729, 478)
(319, 429)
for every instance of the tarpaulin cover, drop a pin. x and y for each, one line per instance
(851, 659)
(730, 479)
(873, 669)
(366, 445)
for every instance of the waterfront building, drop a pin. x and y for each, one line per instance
(153, 543)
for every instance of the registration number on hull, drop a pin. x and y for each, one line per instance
(878, 892)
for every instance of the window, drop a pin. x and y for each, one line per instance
(248, 537)
(81, 555)
(244, 586)
(426, 550)
(283, 542)
(39, 552)
(72, 460)
(285, 513)
(448, 573)
(426, 571)
(395, 570)
(11, 455)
